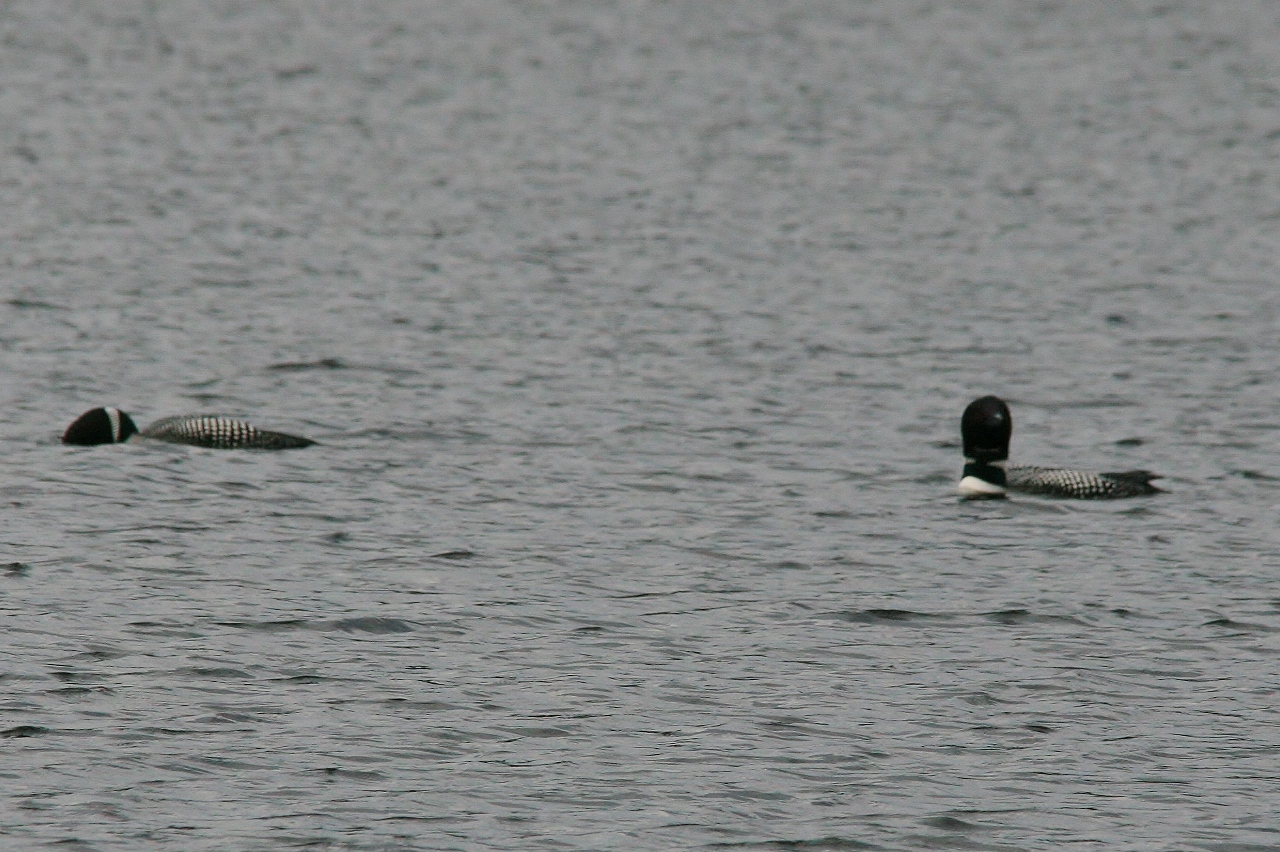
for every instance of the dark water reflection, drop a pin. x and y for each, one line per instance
(635, 337)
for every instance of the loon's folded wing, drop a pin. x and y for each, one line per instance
(1062, 482)
(220, 433)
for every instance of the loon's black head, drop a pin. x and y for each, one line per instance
(100, 426)
(985, 428)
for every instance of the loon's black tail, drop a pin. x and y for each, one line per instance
(1138, 481)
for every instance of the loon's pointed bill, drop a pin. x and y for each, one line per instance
(986, 428)
(112, 426)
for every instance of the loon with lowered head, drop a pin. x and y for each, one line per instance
(986, 427)
(112, 426)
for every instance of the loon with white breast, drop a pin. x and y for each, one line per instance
(112, 426)
(986, 427)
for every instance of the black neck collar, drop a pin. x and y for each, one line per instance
(992, 472)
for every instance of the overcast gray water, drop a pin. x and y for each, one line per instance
(635, 336)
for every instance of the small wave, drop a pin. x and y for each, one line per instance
(371, 624)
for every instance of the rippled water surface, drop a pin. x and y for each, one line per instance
(635, 336)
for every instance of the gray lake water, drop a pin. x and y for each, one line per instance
(635, 336)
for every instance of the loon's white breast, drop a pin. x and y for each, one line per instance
(977, 487)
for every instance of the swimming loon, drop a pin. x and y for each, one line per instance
(113, 426)
(986, 427)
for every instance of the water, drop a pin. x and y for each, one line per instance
(636, 336)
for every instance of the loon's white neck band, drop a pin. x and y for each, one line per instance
(1000, 464)
(113, 414)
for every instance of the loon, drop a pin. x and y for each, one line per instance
(112, 426)
(986, 427)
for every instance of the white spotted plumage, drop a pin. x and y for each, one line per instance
(220, 433)
(1062, 482)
